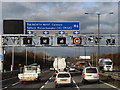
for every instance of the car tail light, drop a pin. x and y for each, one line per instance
(35, 79)
(84, 75)
(56, 80)
(20, 80)
(70, 79)
(98, 75)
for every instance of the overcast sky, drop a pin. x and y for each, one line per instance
(66, 11)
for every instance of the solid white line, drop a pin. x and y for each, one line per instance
(15, 83)
(76, 85)
(110, 85)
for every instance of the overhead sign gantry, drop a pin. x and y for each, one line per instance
(53, 34)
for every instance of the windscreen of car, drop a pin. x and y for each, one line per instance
(31, 68)
(63, 75)
(91, 70)
(108, 63)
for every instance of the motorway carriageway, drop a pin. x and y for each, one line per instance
(47, 83)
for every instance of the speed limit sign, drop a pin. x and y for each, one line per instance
(77, 40)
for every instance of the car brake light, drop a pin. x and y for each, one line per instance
(54, 73)
(56, 80)
(71, 79)
(98, 75)
(84, 75)
(35, 79)
(20, 80)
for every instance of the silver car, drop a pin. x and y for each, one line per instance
(63, 78)
(90, 74)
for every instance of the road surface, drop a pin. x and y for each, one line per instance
(47, 83)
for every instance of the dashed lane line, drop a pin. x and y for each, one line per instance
(46, 83)
(4, 88)
(76, 85)
(15, 83)
(42, 87)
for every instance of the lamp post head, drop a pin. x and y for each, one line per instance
(86, 13)
(111, 13)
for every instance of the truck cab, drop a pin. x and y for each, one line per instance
(106, 64)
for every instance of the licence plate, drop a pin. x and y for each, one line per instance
(63, 80)
(88, 75)
(28, 79)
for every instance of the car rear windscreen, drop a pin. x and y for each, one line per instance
(108, 63)
(91, 70)
(63, 75)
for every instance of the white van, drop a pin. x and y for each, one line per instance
(90, 74)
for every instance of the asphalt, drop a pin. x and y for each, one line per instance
(47, 83)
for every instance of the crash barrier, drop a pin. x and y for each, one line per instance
(9, 74)
(112, 78)
(112, 75)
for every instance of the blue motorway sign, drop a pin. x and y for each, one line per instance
(29, 32)
(45, 32)
(38, 25)
(1, 57)
(61, 32)
(76, 32)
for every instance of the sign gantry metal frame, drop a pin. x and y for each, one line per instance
(16, 40)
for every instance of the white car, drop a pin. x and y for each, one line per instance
(90, 74)
(63, 78)
(72, 69)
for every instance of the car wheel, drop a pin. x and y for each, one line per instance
(56, 86)
(22, 82)
(39, 79)
(83, 81)
(71, 85)
(98, 81)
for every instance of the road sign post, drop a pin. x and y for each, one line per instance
(1, 55)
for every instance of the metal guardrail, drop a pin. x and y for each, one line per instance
(113, 75)
(9, 74)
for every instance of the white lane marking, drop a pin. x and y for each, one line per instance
(15, 83)
(42, 87)
(76, 85)
(110, 85)
(4, 88)
(46, 83)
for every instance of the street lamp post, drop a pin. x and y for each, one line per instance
(98, 14)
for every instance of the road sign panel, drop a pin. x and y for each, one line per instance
(29, 32)
(77, 40)
(43, 25)
(61, 32)
(27, 40)
(45, 32)
(44, 40)
(76, 32)
(1, 57)
(61, 40)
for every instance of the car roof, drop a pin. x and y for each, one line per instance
(63, 73)
(90, 67)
